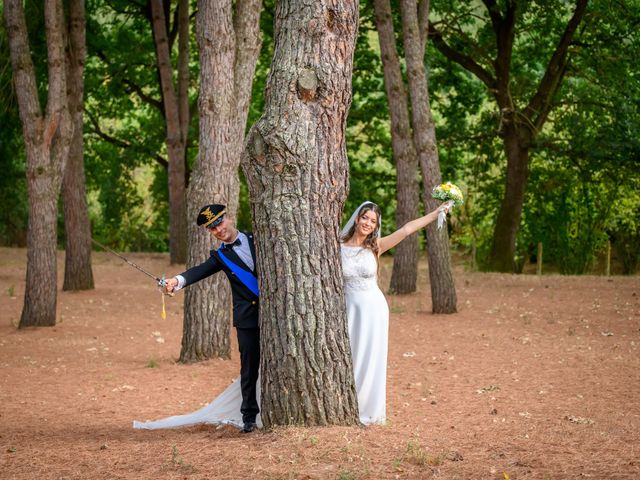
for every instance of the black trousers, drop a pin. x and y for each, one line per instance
(249, 346)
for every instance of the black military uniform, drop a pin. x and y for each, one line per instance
(245, 309)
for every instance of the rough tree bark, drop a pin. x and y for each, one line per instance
(443, 289)
(77, 267)
(47, 141)
(296, 166)
(229, 45)
(519, 126)
(405, 260)
(176, 113)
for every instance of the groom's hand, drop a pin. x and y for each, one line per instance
(170, 284)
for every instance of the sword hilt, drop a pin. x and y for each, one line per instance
(162, 283)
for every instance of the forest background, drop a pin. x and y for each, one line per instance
(582, 191)
(530, 106)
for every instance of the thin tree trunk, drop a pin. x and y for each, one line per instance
(47, 143)
(226, 76)
(443, 290)
(405, 260)
(296, 166)
(176, 123)
(77, 270)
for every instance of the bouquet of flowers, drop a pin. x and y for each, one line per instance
(449, 193)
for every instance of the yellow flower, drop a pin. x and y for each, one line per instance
(448, 191)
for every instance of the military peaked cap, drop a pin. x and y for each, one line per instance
(211, 215)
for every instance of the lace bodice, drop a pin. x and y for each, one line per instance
(359, 268)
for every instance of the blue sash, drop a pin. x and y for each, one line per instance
(247, 278)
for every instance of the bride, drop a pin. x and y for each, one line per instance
(367, 316)
(367, 309)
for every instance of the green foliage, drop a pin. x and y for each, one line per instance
(561, 214)
(13, 185)
(372, 174)
(584, 158)
(624, 231)
(125, 152)
(583, 186)
(585, 177)
(263, 64)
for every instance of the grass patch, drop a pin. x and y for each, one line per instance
(414, 454)
(152, 364)
(178, 462)
(346, 475)
(397, 309)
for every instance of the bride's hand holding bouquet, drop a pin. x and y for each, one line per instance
(451, 195)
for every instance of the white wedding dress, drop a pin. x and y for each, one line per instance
(368, 320)
(368, 317)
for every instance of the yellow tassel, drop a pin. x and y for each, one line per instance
(164, 312)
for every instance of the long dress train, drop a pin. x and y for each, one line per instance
(224, 410)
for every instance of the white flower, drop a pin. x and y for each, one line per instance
(448, 191)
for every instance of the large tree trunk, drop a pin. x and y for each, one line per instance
(296, 166)
(226, 76)
(405, 260)
(47, 147)
(443, 290)
(77, 268)
(503, 247)
(176, 117)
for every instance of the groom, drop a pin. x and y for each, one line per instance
(237, 259)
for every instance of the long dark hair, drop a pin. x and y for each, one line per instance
(371, 242)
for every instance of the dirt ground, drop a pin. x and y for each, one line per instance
(535, 377)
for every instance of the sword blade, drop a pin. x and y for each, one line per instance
(126, 260)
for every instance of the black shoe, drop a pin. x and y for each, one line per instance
(248, 427)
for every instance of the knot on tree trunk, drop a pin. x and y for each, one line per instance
(256, 146)
(307, 85)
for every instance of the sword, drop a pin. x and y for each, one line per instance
(161, 281)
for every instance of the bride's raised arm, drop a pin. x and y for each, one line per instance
(390, 241)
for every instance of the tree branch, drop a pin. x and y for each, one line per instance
(124, 144)
(504, 29)
(463, 60)
(134, 88)
(538, 108)
(494, 13)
